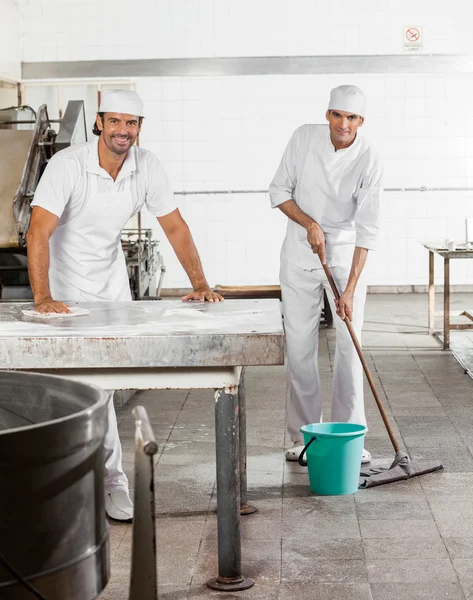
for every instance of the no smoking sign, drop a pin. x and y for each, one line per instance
(412, 38)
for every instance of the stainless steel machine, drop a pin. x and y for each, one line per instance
(144, 263)
(27, 142)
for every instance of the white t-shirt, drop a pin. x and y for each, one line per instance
(66, 182)
(340, 190)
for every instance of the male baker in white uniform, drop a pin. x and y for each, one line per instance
(83, 200)
(329, 185)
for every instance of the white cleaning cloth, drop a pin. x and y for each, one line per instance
(76, 311)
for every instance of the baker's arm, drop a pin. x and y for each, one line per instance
(315, 235)
(282, 188)
(180, 238)
(345, 304)
(42, 226)
(367, 225)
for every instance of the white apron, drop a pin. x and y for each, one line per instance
(87, 263)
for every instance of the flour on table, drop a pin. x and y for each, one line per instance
(183, 312)
(76, 311)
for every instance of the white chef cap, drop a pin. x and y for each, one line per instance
(348, 98)
(122, 101)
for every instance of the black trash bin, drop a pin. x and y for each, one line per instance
(53, 529)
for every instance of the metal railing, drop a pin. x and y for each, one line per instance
(390, 189)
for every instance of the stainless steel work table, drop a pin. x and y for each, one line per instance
(447, 255)
(164, 345)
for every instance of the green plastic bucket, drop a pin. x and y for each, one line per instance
(333, 452)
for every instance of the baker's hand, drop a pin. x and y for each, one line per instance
(203, 295)
(48, 305)
(316, 239)
(345, 305)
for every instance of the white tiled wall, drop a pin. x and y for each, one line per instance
(10, 54)
(115, 29)
(228, 133)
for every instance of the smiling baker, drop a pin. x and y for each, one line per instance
(84, 199)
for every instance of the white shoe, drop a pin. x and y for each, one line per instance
(365, 457)
(119, 506)
(294, 452)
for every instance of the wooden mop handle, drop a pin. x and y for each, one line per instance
(336, 293)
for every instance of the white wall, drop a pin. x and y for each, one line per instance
(10, 53)
(223, 133)
(229, 133)
(118, 29)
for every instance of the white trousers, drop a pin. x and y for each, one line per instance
(115, 477)
(302, 298)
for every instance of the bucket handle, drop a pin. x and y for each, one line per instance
(301, 460)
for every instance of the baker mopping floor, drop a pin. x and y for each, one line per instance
(328, 184)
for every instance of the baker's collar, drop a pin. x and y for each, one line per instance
(93, 166)
(331, 148)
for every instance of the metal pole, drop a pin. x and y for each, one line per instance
(144, 579)
(228, 493)
(245, 508)
(446, 304)
(431, 294)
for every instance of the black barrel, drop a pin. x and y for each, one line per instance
(53, 530)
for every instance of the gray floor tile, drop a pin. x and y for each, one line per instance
(426, 423)
(168, 529)
(171, 591)
(411, 570)
(333, 506)
(441, 441)
(258, 478)
(188, 453)
(334, 549)
(447, 486)
(459, 547)
(417, 591)
(418, 511)
(321, 528)
(325, 591)
(251, 549)
(175, 566)
(268, 503)
(299, 568)
(404, 548)
(400, 491)
(118, 586)
(464, 570)
(398, 529)
(454, 519)
(407, 411)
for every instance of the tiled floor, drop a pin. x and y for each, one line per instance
(406, 541)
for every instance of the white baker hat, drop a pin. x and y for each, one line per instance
(348, 98)
(122, 101)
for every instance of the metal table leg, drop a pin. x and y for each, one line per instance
(245, 508)
(431, 294)
(228, 493)
(446, 304)
(143, 581)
